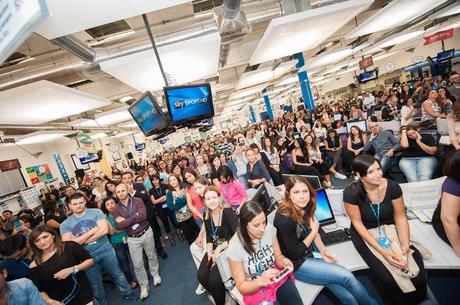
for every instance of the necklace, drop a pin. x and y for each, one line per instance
(48, 255)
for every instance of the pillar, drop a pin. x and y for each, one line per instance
(304, 83)
(268, 105)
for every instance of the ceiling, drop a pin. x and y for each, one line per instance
(333, 36)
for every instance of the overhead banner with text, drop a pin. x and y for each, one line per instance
(441, 35)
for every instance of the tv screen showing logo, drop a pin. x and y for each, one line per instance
(189, 103)
(146, 115)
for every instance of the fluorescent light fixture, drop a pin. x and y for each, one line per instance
(107, 118)
(330, 57)
(126, 98)
(384, 55)
(43, 136)
(450, 10)
(122, 134)
(395, 13)
(129, 124)
(44, 101)
(246, 92)
(400, 38)
(351, 69)
(98, 135)
(305, 30)
(264, 75)
(317, 79)
(289, 80)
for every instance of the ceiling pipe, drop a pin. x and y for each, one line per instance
(73, 45)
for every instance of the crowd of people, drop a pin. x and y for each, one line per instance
(200, 192)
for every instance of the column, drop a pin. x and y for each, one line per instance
(253, 115)
(268, 105)
(304, 83)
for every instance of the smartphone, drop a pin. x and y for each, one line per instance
(17, 225)
(282, 274)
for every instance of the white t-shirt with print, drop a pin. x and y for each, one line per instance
(265, 254)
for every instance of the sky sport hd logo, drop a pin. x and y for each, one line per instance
(184, 103)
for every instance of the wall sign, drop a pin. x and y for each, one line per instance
(39, 173)
(389, 66)
(8, 165)
(61, 167)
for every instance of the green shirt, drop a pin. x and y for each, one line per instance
(116, 238)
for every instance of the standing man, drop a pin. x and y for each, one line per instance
(138, 190)
(384, 144)
(89, 228)
(130, 215)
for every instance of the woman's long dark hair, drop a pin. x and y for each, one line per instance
(451, 168)
(224, 171)
(360, 133)
(34, 235)
(104, 208)
(107, 191)
(360, 165)
(248, 212)
(287, 207)
(192, 172)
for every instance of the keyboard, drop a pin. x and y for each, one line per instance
(334, 237)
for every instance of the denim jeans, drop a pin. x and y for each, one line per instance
(386, 162)
(105, 259)
(122, 253)
(23, 292)
(418, 168)
(339, 280)
(244, 180)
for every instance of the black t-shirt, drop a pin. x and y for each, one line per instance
(43, 275)
(368, 218)
(58, 218)
(414, 150)
(225, 231)
(290, 236)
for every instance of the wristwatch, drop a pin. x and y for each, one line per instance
(75, 269)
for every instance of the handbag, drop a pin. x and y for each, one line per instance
(183, 214)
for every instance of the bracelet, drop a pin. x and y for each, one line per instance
(75, 268)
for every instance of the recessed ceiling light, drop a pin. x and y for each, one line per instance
(330, 57)
(396, 13)
(42, 137)
(126, 98)
(400, 38)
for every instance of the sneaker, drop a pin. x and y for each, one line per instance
(144, 292)
(200, 290)
(132, 296)
(340, 176)
(212, 300)
(156, 280)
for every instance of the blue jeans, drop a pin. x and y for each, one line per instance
(339, 280)
(106, 260)
(122, 253)
(418, 168)
(24, 292)
(386, 162)
(243, 180)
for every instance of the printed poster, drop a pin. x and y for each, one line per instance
(39, 173)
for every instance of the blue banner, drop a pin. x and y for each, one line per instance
(61, 167)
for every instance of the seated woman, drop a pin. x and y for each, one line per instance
(417, 162)
(334, 151)
(57, 268)
(178, 202)
(355, 146)
(297, 230)
(316, 157)
(372, 202)
(215, 163)
(257, 173)
(446, 217)
(301, 160)
(53, 215)
(431, 108)
(271, 160)
(231, 189)
(255, 258)
(220, 224)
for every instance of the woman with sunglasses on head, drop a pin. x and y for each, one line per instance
(298, 236)
(57, 268)
(380, 232)
(220, 224)
(255, 258)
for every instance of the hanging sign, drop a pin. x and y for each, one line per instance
(441, 35)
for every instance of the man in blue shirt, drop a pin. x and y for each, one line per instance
(89, 228)
(384, 144)
(19, 292)
(16, 257)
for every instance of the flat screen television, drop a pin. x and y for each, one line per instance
(139, 146)
(148, 115)
(189, 103)
(445, 55)
(94, 157)
(368, 76)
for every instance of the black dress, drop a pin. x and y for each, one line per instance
(381, 273)
(304, 169)
(43, 276)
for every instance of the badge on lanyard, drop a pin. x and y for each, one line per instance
(382, 240)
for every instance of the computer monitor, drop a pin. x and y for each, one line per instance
(323, 210)
(313, 180)
(337, 117)
(189, 103)
(148, 115)
(261, 196)
(368, 76)
(362, 124)
(445, 55)
(139, 146)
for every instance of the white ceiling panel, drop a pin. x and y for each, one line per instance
(85, 14)
(305, 30)
(185, 61)
(263, 75)
(44, 101)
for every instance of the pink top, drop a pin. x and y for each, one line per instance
(197, 202)
(454, 129)
(233, 192)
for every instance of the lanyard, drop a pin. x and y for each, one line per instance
(377, 214)
(74, 292)
(128, 210)
(259, 268)
(215, 229)
(160, 193)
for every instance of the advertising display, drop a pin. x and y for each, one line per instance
(148, 115)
